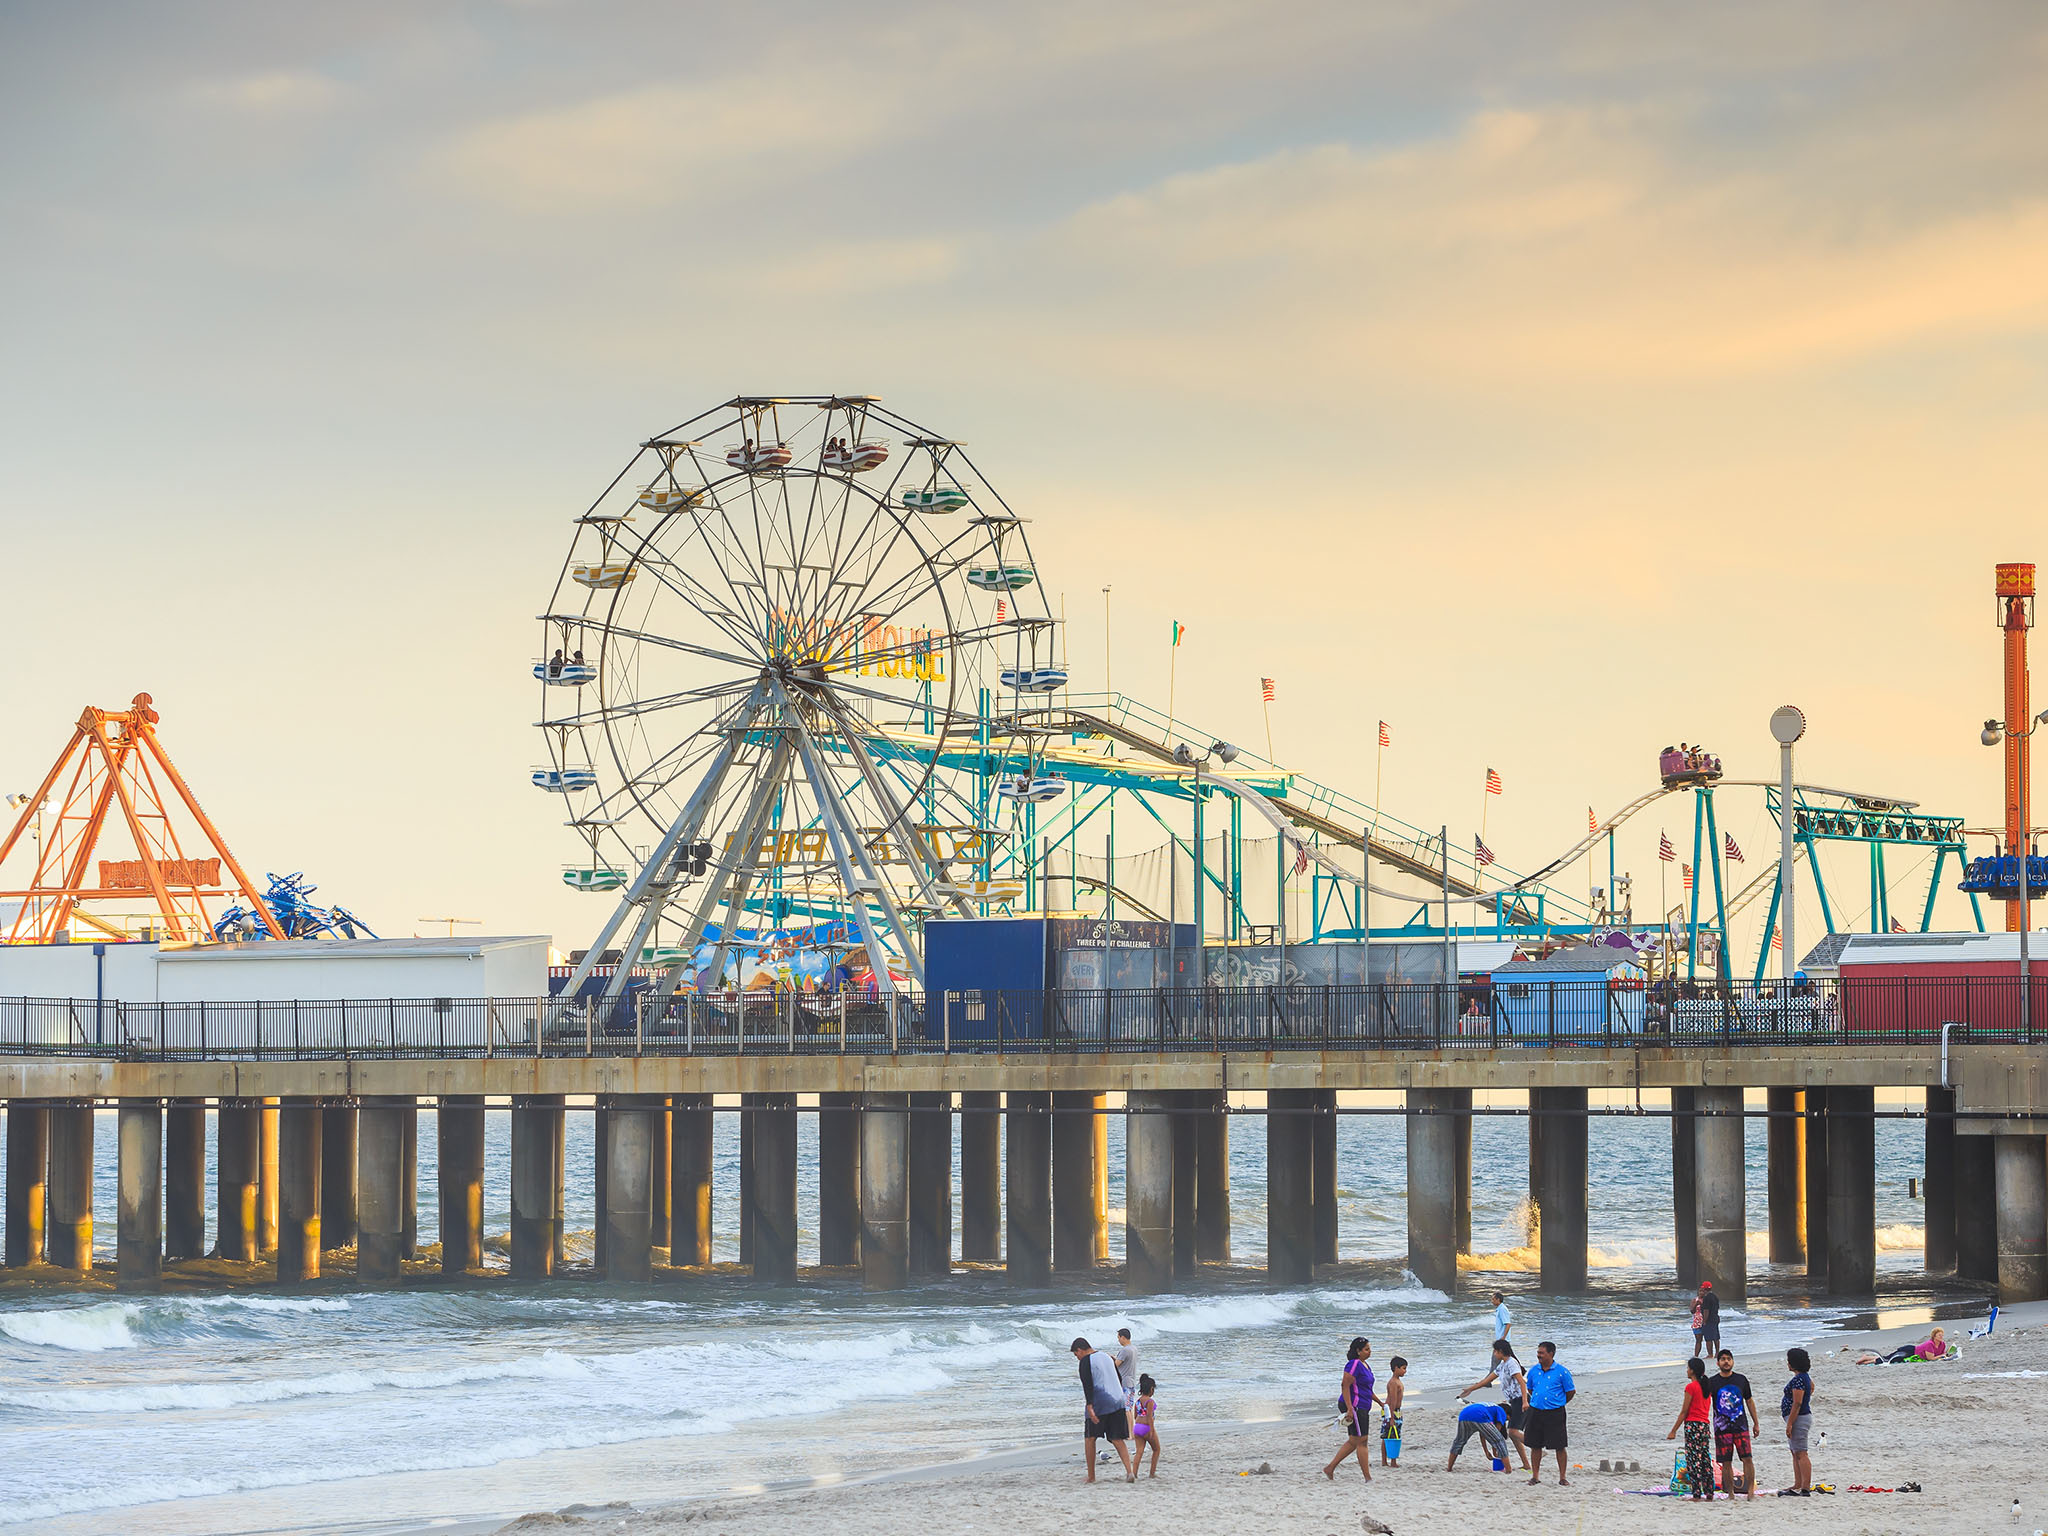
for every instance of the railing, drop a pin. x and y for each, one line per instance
(1558, 1012)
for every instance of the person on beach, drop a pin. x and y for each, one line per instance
(1489, 1421)
(1695, 1415)
(1126, 1356)
(1795, 1407)
(1514, 1386)
(1550, 1388)
(1734, 1420)
(1706, 1321)
(1354, 1404)
(1146, 1426)
(1503, 1319)
(1390, 1421)
(1107, 1418)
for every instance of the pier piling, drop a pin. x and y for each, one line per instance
(1187, 1117)
(185, 1179)
(1938, 1183)
(1852, 1191)
(459, 1131)
(266, 1177)
(1976, 1209)
(381, 1176)
(628, 1213)
(1561, 1189)
(1027, 1178)
(1785, 1175)
(28, 1181)
(690, 1180)
(68, 1233)
(839, 1188)
(1080, 1226)
(238, 1179)
(2021, 1164)
(139, 1206)
(1323, 1179)
(884, 1167)
(660, 1171)
(1148, 1193)
(1461, 1105)
(535, 1175)
(1212, 1179)
(1432, 1177)
(775, 1188)
(1290, 1186)
(931, 1184)
(299, 1125)
(340, 1128)
(1814, 1127)
(981, 1178)
(1721, 1203)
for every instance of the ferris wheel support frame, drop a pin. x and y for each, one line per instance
(930, 873)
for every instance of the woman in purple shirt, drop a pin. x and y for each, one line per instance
(1354, 1402)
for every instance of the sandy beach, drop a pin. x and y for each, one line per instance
(1964, 1430)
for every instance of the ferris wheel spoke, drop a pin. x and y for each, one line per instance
(670, 643)
(606, 712)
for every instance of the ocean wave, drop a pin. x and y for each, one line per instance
(105, 1325)
(1900, 1236)
(267, 1303)
(164, 1396)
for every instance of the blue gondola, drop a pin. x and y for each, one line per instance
(1999, 875)
(1035, 679)
(1037, 788)
(570, 674)
(564, 781)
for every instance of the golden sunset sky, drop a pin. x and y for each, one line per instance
(1553, 382)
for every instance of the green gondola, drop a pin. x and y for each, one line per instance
(935, 498)
(593, 879)
(1000, 578)
(661, 956)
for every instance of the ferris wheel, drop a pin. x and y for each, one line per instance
(770, 663)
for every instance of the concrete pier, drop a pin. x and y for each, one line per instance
(1721, 1198)
(931, 1183)
(409, 1177)
(1290, 1186)
(535, 1174)
(267, 1176)
(839, 1202)
(1815, 1129)
(748, 1103)
(459, 1126)
(28, 1182)
(628, 1213)
(139, 1181)
(1561, 1188)
(381, 1185)
(2021, 1164)
(1432, 1125)
(1461, 1105)
(1938, 1182)
(1852, 1192)
(1148, 1193)
(1323, 1179)
(1187, 1118)
(238, 1178)
(1976, 1209)
(1027, 1179)
(299, 1125)
(1785, 1175)
(1685, 1228)
(775, 1188)
(885, 1135)
(559, 1119)
(185, 1179)
(690, 1181)
(1080, 1225)
(338, 1132)
(981, 1178)
(660, 1169)
(1212, 1179)
(68, 1237)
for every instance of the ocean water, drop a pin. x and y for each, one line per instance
(332, 1408)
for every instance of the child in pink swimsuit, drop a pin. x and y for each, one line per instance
(1145, 1424)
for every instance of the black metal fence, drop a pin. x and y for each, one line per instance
(1568, 1012)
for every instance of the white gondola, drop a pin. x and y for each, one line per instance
(606, 515)
(570, 674)
(757, 458)
(855, 458)
(997, 891)
(594, 879)
(1036, 788)
(669, 498)
(1000, 578)
(935, 498)
(564, 781)
(1035, 679)
(603, 575)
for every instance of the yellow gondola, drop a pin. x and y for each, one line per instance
(604, 575)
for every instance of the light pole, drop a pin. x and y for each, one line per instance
(1994, 732)
(1788, 724)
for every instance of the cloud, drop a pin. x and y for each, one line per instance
(272, 92)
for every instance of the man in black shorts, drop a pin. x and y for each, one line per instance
(1107, 1419)
(1734, 1423)
(1550, 1388)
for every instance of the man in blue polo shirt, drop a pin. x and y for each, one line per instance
(1550, 1388)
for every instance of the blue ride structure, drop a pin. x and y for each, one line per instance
(290, 899)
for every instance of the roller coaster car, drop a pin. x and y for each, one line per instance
(1035, 679)
(564, 781)
(855, 457)
(1690, 765)
(754, 458)
(1000, 578)
(935, 498)
(1038, 789)
(570, 674)
(1999, 875)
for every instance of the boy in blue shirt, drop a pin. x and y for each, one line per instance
(1550, 1388)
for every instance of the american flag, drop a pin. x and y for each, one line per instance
(1592, 822)
(1301, 858)
(1897, 926)
(1266, 689)
(1686, 871)
(1777, 939)
(1728, 847)
(1492, 782)
(1386, 736)
(1002, 610)
(1481, 854)
(1664, 849)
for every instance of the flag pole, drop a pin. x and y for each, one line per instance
(1267, 705)
(1172, 671)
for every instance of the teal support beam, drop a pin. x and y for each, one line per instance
(1692, 924)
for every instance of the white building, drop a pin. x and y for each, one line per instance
(279, 971)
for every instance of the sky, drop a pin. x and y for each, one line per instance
(1550, 382)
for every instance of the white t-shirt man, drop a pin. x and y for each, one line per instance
(1503, 1320)
(1126, 1356)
